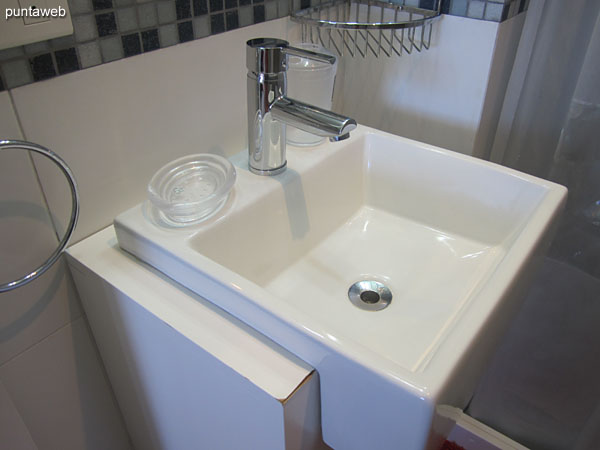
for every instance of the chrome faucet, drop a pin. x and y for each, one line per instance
(269, 110)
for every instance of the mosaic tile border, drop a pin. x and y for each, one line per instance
(108, 30)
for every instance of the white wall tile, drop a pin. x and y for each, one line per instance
(509, 34)
(39, 398)
(9, 128)
(26, 234)
(30, 313)
(141, 113)
(60, 391)
(13, 432)
(435, 96)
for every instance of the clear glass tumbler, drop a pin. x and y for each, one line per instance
(311, 82)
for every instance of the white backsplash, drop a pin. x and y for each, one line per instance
(435, 96)
(116, 124)
(53, 391)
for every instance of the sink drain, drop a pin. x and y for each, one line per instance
(370, 295)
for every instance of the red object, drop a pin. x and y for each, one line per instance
(451, 446)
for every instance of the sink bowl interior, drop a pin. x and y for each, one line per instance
(430, 225)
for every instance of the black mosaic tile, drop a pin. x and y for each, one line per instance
(150, 40)
(200, 7)
(102, 4)
(245, 2)
(304, 4)
(259, 13)
(230, 4)
(131, 44)
(217, 23)
(183, 9)
(231, 20)
(445, 9)
(186, 31)
(216, 5)
(505, 11)
(106, 24)
(427, 4)
(66, 60)
(42, 67)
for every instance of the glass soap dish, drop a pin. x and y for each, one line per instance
(192, 188)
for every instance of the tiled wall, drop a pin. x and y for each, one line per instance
(107, 30)
(53, 388)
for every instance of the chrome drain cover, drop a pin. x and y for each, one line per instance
(370, 295)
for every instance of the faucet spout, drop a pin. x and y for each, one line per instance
(311, 119)
(270, 110)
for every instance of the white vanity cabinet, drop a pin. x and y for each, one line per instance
(186, 374)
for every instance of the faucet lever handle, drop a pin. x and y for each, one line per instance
(268, 55)
(293, 51)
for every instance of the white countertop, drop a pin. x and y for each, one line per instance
(266, 364)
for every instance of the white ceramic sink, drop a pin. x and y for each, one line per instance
(454, 238)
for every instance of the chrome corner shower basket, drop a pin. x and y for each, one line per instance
(360, 27)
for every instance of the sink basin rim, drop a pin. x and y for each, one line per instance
(264, 300)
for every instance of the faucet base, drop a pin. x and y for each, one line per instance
(276, 171)
(342, 137)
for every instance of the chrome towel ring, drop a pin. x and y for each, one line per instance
(24, 145)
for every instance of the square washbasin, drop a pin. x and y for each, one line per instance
(391, 266)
